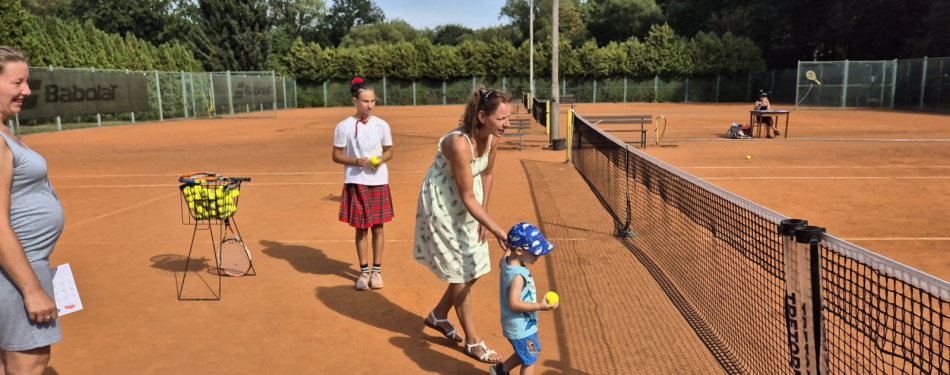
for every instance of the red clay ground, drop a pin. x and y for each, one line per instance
(126, 244)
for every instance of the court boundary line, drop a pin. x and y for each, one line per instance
(137, 205)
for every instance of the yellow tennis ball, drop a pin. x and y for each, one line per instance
(229, 200)
(552, 298)
(220, 202)
(191, 205)
(374, 162)
(748, 156)
(199, 210)
(211, 194)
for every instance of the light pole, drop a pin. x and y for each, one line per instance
(555, 100)
(531, 44)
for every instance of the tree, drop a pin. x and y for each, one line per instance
(236, 29)
(384, 33)
(666, 53)
(345, 14)
(487, 34)
(570, 24)
(17, 28)
(151, 20)
(449, 35)
(618, 20)
(298, 18)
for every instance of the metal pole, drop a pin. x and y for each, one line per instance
(883, 80)
(413, 92)
(443, 92)
(158, 88)
(184, 98)
(624, 89)
(131, 112)
(687, 91)
(798, 78)
(98, 115)
(504, 83)
(230, 97)
(923, 83)
(531, 44)
(59, 122)
(295, 93)
(211, 77)
(595, 90)
(555, 100)
(474, 84)
(194, 109)
(844, 90)
(273, 81)
(283, 87)
(325, 104)
(656, 88)
(384, 90)
(718, 82)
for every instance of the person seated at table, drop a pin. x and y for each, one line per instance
(763, 105)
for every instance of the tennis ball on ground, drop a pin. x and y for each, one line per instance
(552, 298)
(748, 156)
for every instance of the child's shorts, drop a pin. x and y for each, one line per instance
(527, 349)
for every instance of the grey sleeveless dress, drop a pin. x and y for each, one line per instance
(37, 219)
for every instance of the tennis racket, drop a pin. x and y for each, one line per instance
(234, 259)
(198, 178)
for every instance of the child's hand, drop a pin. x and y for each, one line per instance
(546, 307)
(362, 162)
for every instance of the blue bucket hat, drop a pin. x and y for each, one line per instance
(526, 236)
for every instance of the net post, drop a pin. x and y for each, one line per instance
(923, 83)
(547, 117)
(570, 129)
(158, 89)
(230, 96)
(798, 85)
(794, 319)
(844, 90)
(807, 272)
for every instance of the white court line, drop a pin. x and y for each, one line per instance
(140, 204)
(232, 174)
(898, 239)
(285, 241)
(827, 178)
(829, 167)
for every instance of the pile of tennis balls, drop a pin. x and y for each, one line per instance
(211, 203)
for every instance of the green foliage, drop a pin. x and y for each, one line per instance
(345, 14)
(236, 29)
(384, 33)
(449, 35)
(618, 20)
(17, 30)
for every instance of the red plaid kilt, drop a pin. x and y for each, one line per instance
(365, 206)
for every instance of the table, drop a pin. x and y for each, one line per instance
(755, 119)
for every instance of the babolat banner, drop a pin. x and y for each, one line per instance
(72, 93)
(250, 91)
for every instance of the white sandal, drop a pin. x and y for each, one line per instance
(451, 335)
(486, 352)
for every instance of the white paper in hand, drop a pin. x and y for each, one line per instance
(64, 287)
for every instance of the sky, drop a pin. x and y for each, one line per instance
(431, 13)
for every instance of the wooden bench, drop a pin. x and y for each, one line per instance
(516, 128)
(641, 120)
(569, 99)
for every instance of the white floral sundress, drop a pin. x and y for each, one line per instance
(446, 238)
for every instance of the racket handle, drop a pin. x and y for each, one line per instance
(242, 179)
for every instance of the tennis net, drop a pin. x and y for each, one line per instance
(766, 294)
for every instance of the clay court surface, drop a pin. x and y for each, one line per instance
(126, 244)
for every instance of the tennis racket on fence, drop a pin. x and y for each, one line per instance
(234, 259)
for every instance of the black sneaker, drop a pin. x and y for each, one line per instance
(777, 133)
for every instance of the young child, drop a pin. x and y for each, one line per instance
(363, 143)
(519, 298)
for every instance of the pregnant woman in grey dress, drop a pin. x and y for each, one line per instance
(31, 220)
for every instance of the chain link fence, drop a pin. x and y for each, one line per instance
(66, 99)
